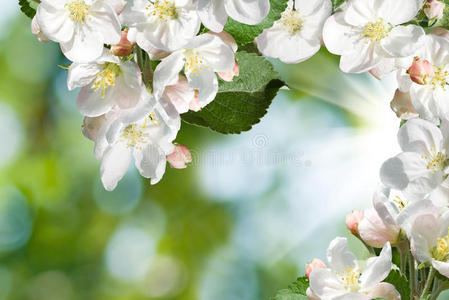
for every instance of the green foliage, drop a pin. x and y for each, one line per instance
(244, 34)
(337, 3)
(401, 283)
(243, 102)
(295, 291)
(444, 22)
(28, 7)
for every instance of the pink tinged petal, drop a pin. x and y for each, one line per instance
(55, 23)
(339, 256)
(420, 136)
(114, 165)
(195, 105)
(408, 215)
(105, 20)
(91, 104)
(360, 60)
(207, 85)
(124, 95)
(377, 269)
(180, 157)
(150, 161)
(86, 46)
(229, 76)
(399, 11)
(375, 232)
(82, 74)
(167, 72)
(91, 126)
(117, 5)
(403, 41)
(402, 106)
(180, 94)
(442, 267)
(217, 55)
(249, 12)
(384, 290)
(324, 284)
(212, 14)
(339, 36)
(353, 220)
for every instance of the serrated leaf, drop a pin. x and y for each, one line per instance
(244, 34)
(28, 7)
(400, 282)
(243, 102)
(295, 291)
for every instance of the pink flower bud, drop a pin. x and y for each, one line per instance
(124, 47)
(403, 107)
(375, 232)
(315, 264)
(421, 70)
(434, 9)
(352, 221)
(180, 157)
(228, 76)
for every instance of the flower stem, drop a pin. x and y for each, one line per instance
(412, 270)
(428, 282)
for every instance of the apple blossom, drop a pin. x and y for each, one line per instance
(200, 58)
(422, 166)
(81, 27)
(434, 9)
(180, 157)
(429, 94)
(375, 232)
(430, 241)
(124, 47)
(297, 35)
(368, 32)
(402, 106)
(345, 280)
(164, 24)
(180, 94)
(214, 13)
(421, 71)
(145, 132)
(106, 82)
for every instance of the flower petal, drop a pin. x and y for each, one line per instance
(403, 41)
(339, 256)
(114, 165)
(249, 12)
(377, 269)
(212, 14)
(420, 136)
(151, 162)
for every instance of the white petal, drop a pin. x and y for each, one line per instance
(105, 20)
(423, 100)
(339, 256)
(377, 269)
(151, 162)
(81, 75)
(249, 12)
(86, 46)
(424, 234)
(384, 290)
(180, 94)
(114, 165)
(54, 23)
(167, 72)
(91, 104)
(360, 60)
(420, 136)
(442, 267)
(325, 284)
(403, 41)
(207, 85)
(339, 36)
(212, 14)
(407, 216)
(360, 12)
(399, 11)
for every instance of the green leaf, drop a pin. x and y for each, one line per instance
(400, 282)
(337, 3)
(244, 34)
(444, 21)
(243, 102)
(295, 291)
(28, 7)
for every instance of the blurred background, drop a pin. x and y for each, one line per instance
(240, 223)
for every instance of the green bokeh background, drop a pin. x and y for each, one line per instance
(189, 237)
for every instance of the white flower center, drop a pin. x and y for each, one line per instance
(106, 78)
(136, 135)
(441, 78)
(291, 21)
(376, 31)
(164, 10)
(436, 161)
(349, 277)
(195, 64)
(441, 251)
(78, 10)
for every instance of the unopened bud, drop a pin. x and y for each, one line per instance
(124, 47)
(180, 157)
(434, 9)
(229, 76)
(375, 232)
(403, 107)
(421, 70)
(353, 219)
(91, 126)
(315, 264)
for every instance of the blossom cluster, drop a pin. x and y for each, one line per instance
(140, 64)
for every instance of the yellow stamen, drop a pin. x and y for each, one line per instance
(165, 10)
(376, 31)
(78, 10)
(291, 21)
(441, 78)
(195, 64)
(106, 78)
(436, 161)
(401, 203)
(441, 251)
(349, 277)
